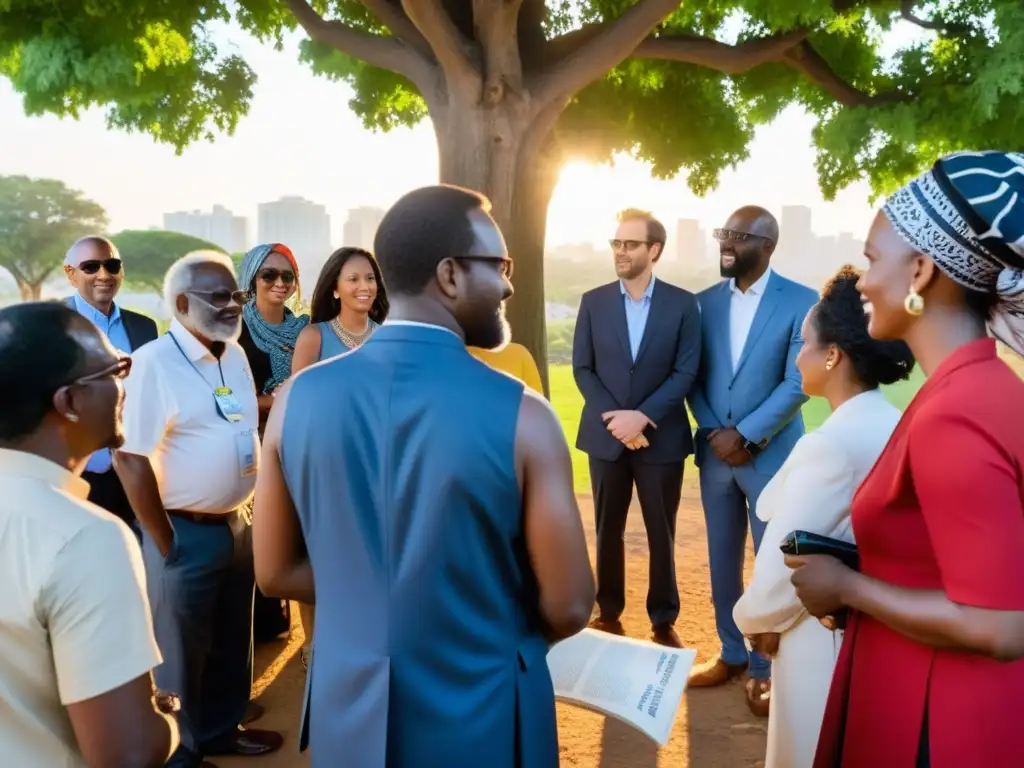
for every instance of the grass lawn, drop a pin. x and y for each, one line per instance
(568, 403)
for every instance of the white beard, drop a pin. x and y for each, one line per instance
(211, 328)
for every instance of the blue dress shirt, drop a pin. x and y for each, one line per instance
(113, 328)
(636, 315)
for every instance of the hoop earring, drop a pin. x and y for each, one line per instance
(914, 303)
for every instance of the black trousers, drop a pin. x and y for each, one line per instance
(105, 490)
(658, 487)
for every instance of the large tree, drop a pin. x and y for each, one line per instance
(149, 252)
(514, 87)
(39, 220)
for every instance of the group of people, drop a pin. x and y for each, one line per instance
(362, 462)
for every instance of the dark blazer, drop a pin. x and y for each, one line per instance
(140, 329)
(657, 383)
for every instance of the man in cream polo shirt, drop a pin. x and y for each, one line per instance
(76, 640)
(188, 465)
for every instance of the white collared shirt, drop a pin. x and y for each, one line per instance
(170, 415)
(742, 308)
(74, 617)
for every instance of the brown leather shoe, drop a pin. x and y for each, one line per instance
(759, 697)
(253, 712)
(715, 672)
(246, 743)
(611, 626)
(665, 634)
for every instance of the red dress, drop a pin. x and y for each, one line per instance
(942, 509)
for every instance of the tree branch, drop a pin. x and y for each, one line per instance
(808, 62)
(495, 28)
(380, 51)
(710, 53)
(390, 14)
(935, 25)
(609, 46)
(449, 45)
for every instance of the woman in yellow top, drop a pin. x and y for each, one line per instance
(513, 359)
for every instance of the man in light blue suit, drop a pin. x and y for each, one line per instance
(746, 402)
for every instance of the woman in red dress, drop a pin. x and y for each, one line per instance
(931, 672)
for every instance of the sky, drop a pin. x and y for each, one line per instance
(301, 139)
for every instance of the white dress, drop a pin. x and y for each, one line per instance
(812, 492)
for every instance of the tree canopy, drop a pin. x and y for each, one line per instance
(685, 97)
(39, 220)
(147, 254)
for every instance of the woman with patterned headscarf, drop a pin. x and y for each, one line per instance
(270, 274)
(931, 669)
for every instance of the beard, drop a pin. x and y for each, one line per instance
(213, 327)
(743, 263)
(492, 333)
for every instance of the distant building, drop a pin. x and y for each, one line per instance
(304, 226)
(796, 240)
(361, 227)
(691, 243)
(220, 227)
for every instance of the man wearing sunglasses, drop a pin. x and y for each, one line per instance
(76, 638)
(93, 266)
(746, 403)
(188, 465)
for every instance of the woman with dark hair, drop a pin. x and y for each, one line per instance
(349, 303)
(931, 669)
(840, 362)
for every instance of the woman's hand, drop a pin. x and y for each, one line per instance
(820, 582)
(765, 643)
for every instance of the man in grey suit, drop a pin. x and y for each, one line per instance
(746, 402)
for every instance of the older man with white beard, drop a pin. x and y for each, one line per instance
(188, 465)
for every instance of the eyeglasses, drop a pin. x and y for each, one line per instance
(92, 266)
(270, 276)
(629, 245)
(117, 370)
(507, 265)
(725, 235)
(220, 298)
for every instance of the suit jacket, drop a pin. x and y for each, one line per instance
(763, 397)
(140, 329)
(656, 383)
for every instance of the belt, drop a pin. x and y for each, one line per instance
(202, 518)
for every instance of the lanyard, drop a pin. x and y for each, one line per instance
(198, 372)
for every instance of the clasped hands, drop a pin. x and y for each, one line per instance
(728, 445)
(628, 427)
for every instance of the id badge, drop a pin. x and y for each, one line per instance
(227, 404)
(248, 447)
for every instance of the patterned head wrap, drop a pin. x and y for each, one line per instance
(277, 341)
(967, 214)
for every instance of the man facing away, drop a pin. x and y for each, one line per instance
(635, 356)
(747, 406)
(188, 464)
(76, 639)
(94, 267)
(434, 498)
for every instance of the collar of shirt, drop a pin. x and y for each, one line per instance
(757, 288)
(423, 325)
(88, 311)
(192, 347)
(23, 464)
(648, 292)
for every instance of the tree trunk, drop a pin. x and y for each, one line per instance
(30, 291)
(494, 150)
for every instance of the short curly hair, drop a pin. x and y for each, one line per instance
(839, 319)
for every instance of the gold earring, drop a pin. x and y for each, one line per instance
(914, 303)
(829, 364)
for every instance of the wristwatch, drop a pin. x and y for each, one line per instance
(754, 448)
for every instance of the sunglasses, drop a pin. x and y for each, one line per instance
(117, 370)
(629, 245)
(506, 264)
(726, 235)
(220, 298)
(92, 266)
(270, 276)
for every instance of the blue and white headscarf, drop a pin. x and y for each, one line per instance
(967, 214)
(277, 341)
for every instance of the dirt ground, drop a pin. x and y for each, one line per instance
(713, 729)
